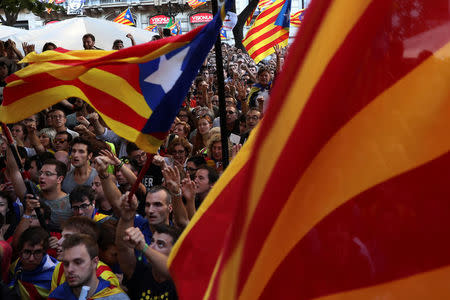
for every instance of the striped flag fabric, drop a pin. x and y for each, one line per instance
(152, 28)
(125, 18)
(271, 28)
(297, 18)
(195, 3)
(342, 192)
(49, 9)
(137, 90)
(263, 4)
(250, 17)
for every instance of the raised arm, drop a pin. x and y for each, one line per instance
(112, 193)
(125, 253)
(172, 182)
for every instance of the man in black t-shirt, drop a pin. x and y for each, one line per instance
(144, 280)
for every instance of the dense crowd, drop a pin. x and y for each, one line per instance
(67, 225)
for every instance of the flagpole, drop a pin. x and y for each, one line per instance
(221, 92)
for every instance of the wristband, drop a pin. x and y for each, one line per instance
(103, 177)
(119, 166)
(142, 252)
(177, 194)
(26, 216)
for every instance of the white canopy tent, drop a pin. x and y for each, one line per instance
(68, 34)
(8, 30)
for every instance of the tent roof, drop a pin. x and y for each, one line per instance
(68, 34)
(8, 30)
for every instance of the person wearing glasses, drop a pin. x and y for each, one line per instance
(62, 141)
(82, 201)
(58, 122)
(31, 273)
(251, 120)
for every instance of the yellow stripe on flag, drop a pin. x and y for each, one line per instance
(118, 88)
(428, 285)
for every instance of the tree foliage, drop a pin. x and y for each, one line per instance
(12, 8)
(238, 30)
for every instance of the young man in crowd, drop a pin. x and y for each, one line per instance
(82, 173)
(80, 259)
(82, 201)
(152, 280)
(31, 273)
(205, 177)
(79, 225)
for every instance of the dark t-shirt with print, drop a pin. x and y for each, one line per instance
(142, 285)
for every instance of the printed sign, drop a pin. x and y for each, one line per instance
(160, 19)
(201, 18)
(74, 7)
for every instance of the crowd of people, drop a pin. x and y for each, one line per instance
(68, 226)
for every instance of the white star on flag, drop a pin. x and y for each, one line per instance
(168, 72)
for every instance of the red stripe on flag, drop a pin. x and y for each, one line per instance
(384, 234)
(268, 22)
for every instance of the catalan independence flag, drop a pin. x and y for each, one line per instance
(271, 28)
(342, 192)
(152, 28)
(297, 18)
(33, 284)
(137, 90)
(223, 34)
(125, 18)
(195, 3)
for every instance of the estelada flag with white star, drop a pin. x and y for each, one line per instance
(125, 18)
(138, 90)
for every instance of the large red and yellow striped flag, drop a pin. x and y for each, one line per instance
(342, 193)
(271, 28)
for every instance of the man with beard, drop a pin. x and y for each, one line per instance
(80, 259)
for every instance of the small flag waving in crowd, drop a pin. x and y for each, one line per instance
(125, 18)
(152, 28)
(137, 90)
(195, 3)
(223, 34)
(270, 28)
(357, 160)
(297, 18)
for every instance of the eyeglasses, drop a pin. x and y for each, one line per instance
(59, 141)
(83, 206)
(254, 118)
(141, 155)
(46, 173)
(178, 151)
(189, 169)
(230, 112)
(36, 253)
